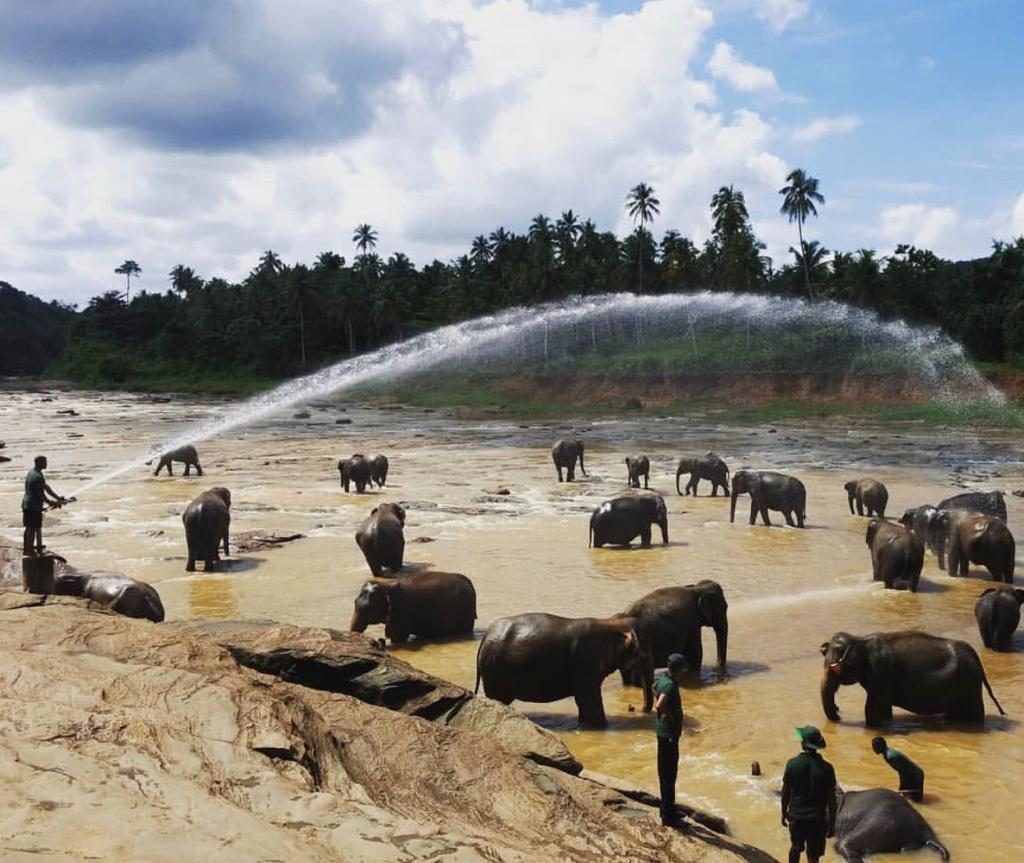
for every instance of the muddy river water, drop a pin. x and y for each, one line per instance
(788, 589)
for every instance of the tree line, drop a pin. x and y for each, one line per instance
(282, 319)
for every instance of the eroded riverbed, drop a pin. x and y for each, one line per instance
(788, 590)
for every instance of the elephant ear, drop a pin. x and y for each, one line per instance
(701, 613)
(824, 648)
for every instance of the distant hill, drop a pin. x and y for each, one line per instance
(32, 333)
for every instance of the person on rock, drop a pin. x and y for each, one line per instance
(809, 797)
(37, 493)
(668, 725)
(911, 776)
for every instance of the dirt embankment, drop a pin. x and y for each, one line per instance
(125, 740)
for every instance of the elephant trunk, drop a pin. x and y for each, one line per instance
(358, 624)
(722, 640)
(829, 686)
(850, 501)
(647, 676)
(679, 473)
(663, 524)
(582, 469)
(732, 506)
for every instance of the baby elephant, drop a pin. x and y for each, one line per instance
(356, 470)
(970, 537)
(207, 520)
(378, 470)
(880, 821)
(998, 613)
(869, 495)
(638, 466)
(186, 454)
(623, 519)
(423, 604)
(382, 539)
(113, 591)
(897, 555)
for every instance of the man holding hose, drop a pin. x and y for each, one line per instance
(37, 494)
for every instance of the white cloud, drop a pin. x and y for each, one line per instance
(825, 126)
(726, 64)
(779, 14)
(918, 224)
(1018, 218)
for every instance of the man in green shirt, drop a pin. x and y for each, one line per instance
(37, 493)
(668, 725)
(809, 797)
(911, 776)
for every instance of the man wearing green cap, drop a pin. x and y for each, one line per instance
(668, 725)
(808, 797)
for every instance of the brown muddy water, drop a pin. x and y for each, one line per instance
(788, 589)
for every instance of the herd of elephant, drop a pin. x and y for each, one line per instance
(539, 657)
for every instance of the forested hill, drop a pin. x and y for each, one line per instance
(33, 334)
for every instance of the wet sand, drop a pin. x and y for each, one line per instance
(788, 590)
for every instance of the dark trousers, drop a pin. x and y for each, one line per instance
(668, 770)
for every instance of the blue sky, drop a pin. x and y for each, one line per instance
(202, 133)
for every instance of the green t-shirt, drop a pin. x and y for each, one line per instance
(666, 686)
(812, 783)
(911, 776)
(33, 498)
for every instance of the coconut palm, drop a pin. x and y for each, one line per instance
(184, 280)
(798, 202)
(642, 207)
(128, 269)
(811, 259)
(729, 212)
(365, 238)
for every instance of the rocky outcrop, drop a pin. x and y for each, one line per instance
(121, 739)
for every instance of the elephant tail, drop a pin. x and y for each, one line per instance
(938, 848)
(991, 694)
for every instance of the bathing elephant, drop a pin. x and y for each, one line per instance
(425, 604)
(186, 454)
(638, 466)
(707, 467)
(971, 537)
(207, 520)
(985, 502)
(378, 470)
(355, 470)
(921, 520)
(669, 620)
(113, 591)
(621, 520)
(998, 613)
(564, 454)
(870, 496)
(543, 658)
(881, 821)
(916, 671)
(770, 490)
(382, 539)
(897, 555)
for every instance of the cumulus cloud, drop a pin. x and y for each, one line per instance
(824, 127)
(780, 14)
(918, 224)
(726, 64)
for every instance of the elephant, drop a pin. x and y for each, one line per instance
(921, 520)
(564, 454)
(870, 496)
(543, 658)
(708, 467)
(621, 520)
(669, 620)
(971, 537)
(382, 539)
(113, 591)
(913, 670)
(355, 470)
(207, 519)
(186, 454)
(897, 555)
(638, 466)
(770, 490)
(881, 821)
(378, 470)
(998, 613)
(985, 502)
(425, 604)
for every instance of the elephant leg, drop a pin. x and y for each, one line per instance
(170, 472)
(558, 468)
(694, 651)
(590, 706)
(225, 543)
(764, 516)
(970, 709)
(800, 520)
(188, 469)
(190, 566)
(788, 515)
(860, 508)
(397, 634)
(199, 469)
(845, 849)
(647, 478)
(754, 509)
(877, 710)
(645, 536)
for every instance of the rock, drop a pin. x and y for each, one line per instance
(260, 540)
(301, 415)
(499, 490)
(423, 539)
(120, 739)
(5, 458)
(71, 412)
(160, 400)
(343, 421)
(3, 444)
(1018, 493)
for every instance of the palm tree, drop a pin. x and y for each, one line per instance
(270, 264)
(729, 211)
(128, 269)
(798, 200)
(567, 231)
(184, 280)
(642, 207)
(541, 238)
(500, 239)
(365, 238)
(480, 252)
(811, 259)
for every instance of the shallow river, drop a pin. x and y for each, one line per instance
(788, 589)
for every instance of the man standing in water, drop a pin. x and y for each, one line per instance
(668, 725)
(37, 493)
(911, 776)
(809, 797)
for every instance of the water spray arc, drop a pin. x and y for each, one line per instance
(583, 323)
